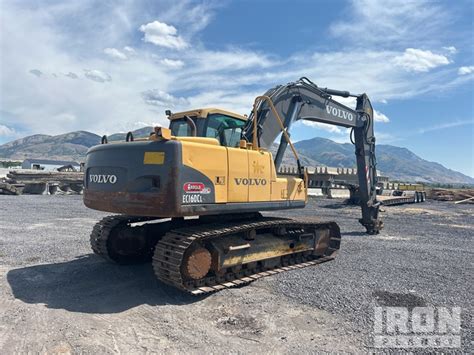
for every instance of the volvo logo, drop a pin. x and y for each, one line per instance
(103, 179)
(339, 113)
(252, 182)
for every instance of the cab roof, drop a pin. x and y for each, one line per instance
(203, 112)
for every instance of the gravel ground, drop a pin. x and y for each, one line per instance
(57, 297)
(423, 257)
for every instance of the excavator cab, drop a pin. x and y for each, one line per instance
(222, 125)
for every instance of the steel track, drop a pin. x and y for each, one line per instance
(171, 249)
(101, 232)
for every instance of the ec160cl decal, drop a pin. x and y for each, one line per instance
(192, 198)
(250, 182)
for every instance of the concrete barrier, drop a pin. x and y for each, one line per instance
(339, 193)
(315, 192)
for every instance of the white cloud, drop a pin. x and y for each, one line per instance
(392, 23)
(97, 75)
(442, 126)
(128, 126)
(324, 126)
(380, 117)
(115, 53)
(193, 16)
(235, 100)
(51, 104)
(66, 117)
(141, 88)
(386, 138)
(466, 70)
(350, 102)
(172, 63)
(123, 54)
(158, 97)
(129, 50)
(419, 60)
(6, 131)
(232, 59)
(451, 49)
(348, 70)
(161, 34)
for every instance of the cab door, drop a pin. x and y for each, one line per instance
(259, 175)
(238, 188)
(228, 131)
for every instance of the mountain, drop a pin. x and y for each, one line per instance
(402, 164)
(139, 133)
(69, 146)
(289, 158)
(396, 162)
(327, 153)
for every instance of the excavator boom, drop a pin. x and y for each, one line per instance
(304, 100)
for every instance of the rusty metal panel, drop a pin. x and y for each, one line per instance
(263, 247)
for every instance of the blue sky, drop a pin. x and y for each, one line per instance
(108, 66)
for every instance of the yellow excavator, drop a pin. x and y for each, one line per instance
(189, 197)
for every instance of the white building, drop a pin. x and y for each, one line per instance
(48, 165)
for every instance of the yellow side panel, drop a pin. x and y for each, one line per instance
(259, 176)
(288, 188)
(238, 175)
(279, 189)
(296, 189)
(210, 160)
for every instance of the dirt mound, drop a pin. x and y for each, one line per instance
(451, 194)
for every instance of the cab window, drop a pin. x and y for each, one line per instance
(180, 127)
(227, 130)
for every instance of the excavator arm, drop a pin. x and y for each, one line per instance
(304, 100)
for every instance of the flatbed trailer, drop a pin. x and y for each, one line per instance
(399, 197)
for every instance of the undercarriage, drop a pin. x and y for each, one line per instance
(210, 253)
